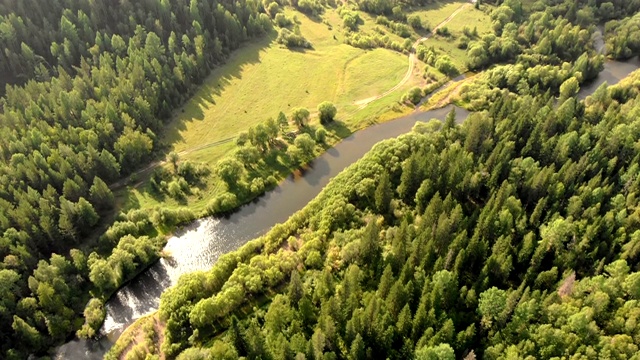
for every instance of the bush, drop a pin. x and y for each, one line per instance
(257, 186)
(175, 190)
(443, 31)
(290, 39)
(382, 20)
(398, 14)
(327, 112)
(414, 95)
(446, 66)
(415, 22)
(463, 42)
(271, 181)
(273, 9)
(350, 19)
(223, 203)
(283, 21)
(321, 135)
(400, 29)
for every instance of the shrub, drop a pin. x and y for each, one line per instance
(446, 66)
(290, 39)
(321, 135)
(257, 186)
(273, 9)
(282, 20)
(443, 31)
(223, 203)
(414, 95)
(415, 22)
(327, 112)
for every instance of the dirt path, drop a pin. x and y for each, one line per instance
(360, 103)
(412, 61)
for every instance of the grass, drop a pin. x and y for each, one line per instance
(144, 336)
(469, 17)
(260, 80)
(263, 78)
(437, 12)
(472, 17)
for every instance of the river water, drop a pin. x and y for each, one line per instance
(198, 246)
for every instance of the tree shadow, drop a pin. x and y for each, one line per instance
(316, 18)
(221, 77)
(300, 49)
(338, 128)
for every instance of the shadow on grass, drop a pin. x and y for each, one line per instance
(316, 18)
(435, 6)
(213, 85)
(339, 129)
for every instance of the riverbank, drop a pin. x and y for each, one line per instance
(198, 246)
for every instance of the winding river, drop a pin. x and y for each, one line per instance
(198, 246)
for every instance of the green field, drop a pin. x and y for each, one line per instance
(263, 78)
(469, 17)
(472, 17)
(437, 12)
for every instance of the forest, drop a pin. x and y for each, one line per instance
(91, 84)
(515, 234)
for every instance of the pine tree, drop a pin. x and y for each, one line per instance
(383, 194)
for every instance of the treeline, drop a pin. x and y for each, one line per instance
(515, 234)
(263, 149)
(389, 7)
(540, 38)
(554, 32)
(623, 37)
(103, 77)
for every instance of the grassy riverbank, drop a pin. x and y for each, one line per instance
(262, 79)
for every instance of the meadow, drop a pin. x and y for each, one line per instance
(263, 78)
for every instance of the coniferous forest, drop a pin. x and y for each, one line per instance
(91, 84)
(515, 234)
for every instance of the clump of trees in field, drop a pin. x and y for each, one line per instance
(251, 170)
(292, 39)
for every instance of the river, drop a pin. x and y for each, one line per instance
(198, 246)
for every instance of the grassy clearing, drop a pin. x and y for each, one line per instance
(262, 79)
(469, 17)
(472, 17)
(437, 12)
